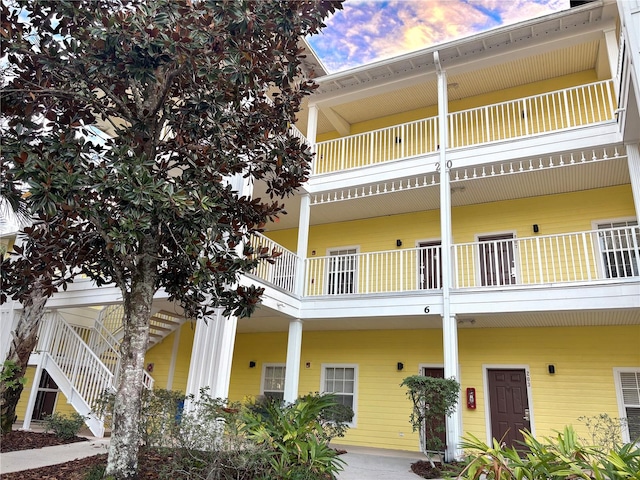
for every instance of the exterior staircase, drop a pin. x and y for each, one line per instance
(84, 362)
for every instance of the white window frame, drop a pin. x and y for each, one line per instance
(324, 366)
(264, 377)
(355, 271)
(622, 411)
(516, 257)
(595, 225)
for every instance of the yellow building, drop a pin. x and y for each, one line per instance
(472, 213)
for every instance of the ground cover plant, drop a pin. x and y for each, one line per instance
(558, 458)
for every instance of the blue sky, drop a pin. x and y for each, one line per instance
(368, 30)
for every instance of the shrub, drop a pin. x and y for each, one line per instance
(604, 431)
(559, 458)
(295, 437)
(63, 426)
(432, 399)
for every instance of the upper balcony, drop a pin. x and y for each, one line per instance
(607, 255)
(556, 111)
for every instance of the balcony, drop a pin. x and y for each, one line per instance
(499, 262)
(525, 117)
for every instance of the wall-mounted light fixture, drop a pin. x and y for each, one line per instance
(398, 243)
(252, 364)
(400, 366)
(536, 229)
(551, 369)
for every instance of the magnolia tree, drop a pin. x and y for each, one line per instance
(189, 93)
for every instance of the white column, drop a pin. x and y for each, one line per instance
(42, 360)
(633, 161)
(211, 356)
(292, 372)
(303, 242)
(449, 324)
(611, 44)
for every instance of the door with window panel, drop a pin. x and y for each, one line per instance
(342, 266)
(619, 244)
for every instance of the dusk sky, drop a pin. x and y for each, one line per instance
(368, 30)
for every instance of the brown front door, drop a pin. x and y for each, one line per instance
(46, 397)
(509, 405)
(436, 372)
(430, 265)
(497, 262)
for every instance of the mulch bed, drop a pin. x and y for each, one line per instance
(424, 469)
(149, 462)
(23, 440)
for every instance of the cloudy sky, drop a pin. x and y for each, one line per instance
(367, 30)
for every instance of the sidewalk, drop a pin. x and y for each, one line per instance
(378, 464)
(361, 463)
(42, 457)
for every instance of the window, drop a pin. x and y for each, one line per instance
(628, 389)
(273, 380)
(619, 245)
(341, 380)
(342, 271)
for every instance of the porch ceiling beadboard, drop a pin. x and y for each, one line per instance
(483, 189)
(265, 321)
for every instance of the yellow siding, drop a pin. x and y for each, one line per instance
(455, 105)
(504, 115)
(160, 356)
(61, 406)
(21, 408)
(554, 214)
(583, 385)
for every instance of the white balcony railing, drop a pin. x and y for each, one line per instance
(554, 111)
(382, 145)
(543, 260)
(548, 259)
(374, 272)
(281, 271)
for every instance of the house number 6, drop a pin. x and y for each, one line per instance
(426, 309)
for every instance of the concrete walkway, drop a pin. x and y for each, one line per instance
(42, 457)
(361, 463)
(378, 464)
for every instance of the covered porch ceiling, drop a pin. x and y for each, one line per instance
(482, 189)
(266, 320)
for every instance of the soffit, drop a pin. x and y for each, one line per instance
(483, 189)
(544, 66)
(266, 320)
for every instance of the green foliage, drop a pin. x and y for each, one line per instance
(432, 399)
(64, 426)
(8, 375)
(562, 457)
(295, 436)
(604, 431)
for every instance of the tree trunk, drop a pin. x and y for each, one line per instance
(125, 436)
(25, 338)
